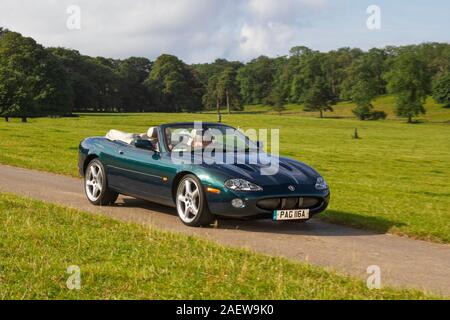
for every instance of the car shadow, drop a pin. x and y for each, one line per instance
(313, 227)
(331, 223)
(143, 204)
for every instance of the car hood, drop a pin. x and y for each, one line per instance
(267, 170)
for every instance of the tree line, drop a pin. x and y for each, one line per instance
(39, 81)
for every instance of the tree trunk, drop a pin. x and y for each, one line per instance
(218, 111)
(24, 119)
(228, 102)
(7, 119)
(321, 113)
(409, 119)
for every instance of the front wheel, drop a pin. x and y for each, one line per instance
(191, 202)
(96, 186)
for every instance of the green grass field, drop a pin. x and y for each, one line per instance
(435, 112)
(394, 179)
(128, 261)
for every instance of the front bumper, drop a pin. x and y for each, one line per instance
(220, 204)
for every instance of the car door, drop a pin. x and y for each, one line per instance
(139, 172)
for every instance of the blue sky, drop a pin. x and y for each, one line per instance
(203, 30)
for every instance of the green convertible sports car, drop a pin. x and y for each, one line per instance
(207, 171)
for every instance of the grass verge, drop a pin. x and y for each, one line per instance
(117, 260)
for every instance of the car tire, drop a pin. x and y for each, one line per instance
(191, 203)
(96, 185)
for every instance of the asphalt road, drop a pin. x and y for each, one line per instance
(404, 262)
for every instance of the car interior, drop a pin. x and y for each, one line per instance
(187, 137)
(136, 139)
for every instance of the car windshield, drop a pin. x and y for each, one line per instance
(190, 137)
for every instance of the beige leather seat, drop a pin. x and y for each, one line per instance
(117, 135)
(152, 135)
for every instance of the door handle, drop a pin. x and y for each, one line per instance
(121, 152)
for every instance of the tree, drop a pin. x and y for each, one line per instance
(310, 84)
(368, 67)
(208, 75)
(299, 51)
(278, 99)
(362, 85)
(336, 65)
(228, 89)
(212, 97)
(256, 80)
(280, 89)
(81, 73)
(3, 31)
(441, 90)
(32, 81)
(174, 86)
(408, 79)
(319, 97)
(133, 94)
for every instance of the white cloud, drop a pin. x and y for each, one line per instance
(273, 27)
(283, 10)
(195, 30)
(267, 39)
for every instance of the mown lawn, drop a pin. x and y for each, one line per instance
(394, 179)
(38, 242)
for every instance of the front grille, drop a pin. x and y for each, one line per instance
(289, 203)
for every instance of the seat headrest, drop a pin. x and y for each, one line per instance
(152, 132)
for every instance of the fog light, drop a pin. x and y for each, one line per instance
(237, 203)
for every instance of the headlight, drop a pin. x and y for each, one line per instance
(241, 185)
(321, 184)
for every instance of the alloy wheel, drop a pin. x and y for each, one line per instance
(188, 200)
(94, 182)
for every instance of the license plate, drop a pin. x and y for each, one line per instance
(291, 214)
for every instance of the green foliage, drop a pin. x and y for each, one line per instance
(367, 113)
(221, 86)
(134, 95)
(441, 89)
(318, 97)
(364, 78)
(211, 98)
(409, 80)
(32, 81)
(364, 83)
(310, 85)
(336, 67)
(173, 85)
(277, 99)
(228, 89)
(256, 79)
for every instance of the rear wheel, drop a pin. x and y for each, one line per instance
(191, 202)
(96, 185)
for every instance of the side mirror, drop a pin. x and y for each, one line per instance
(144, 144)
(260, 145)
